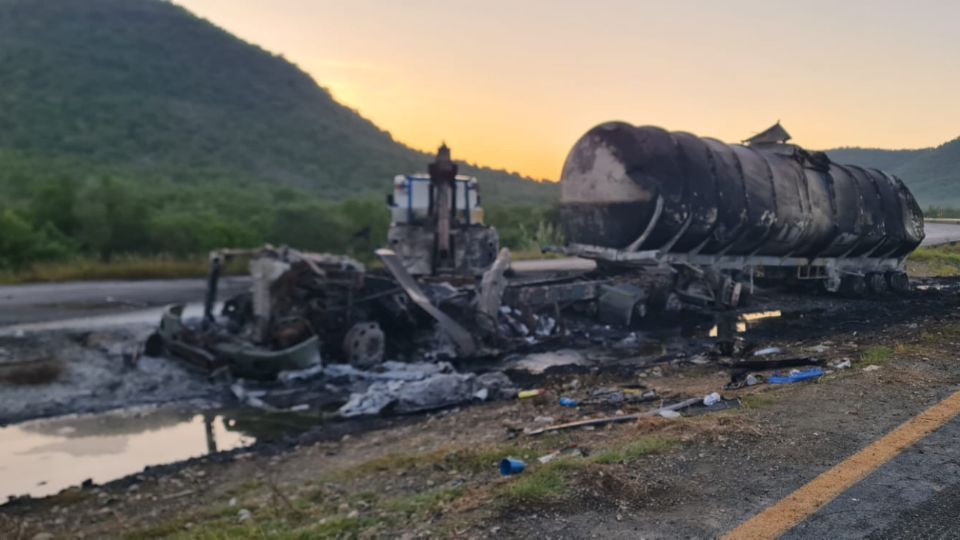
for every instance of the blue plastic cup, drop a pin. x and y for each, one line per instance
(511, 466)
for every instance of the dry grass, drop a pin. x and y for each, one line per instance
(941, 261)
(120, 268)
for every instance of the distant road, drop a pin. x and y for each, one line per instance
(941, 233)
(39, 302)
(53, 301)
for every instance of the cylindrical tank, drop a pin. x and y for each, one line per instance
(648, 188)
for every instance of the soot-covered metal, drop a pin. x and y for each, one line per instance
(627, 187)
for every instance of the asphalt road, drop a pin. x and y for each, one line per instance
(940, 233)
(21, 304)
(916, 495)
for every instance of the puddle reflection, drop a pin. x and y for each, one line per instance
(44, 456)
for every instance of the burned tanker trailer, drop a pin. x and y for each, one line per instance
(719, 215)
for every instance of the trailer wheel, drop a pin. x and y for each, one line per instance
(878, 283)
(898, 281)
(853, 286)
(364, 345)
(832, 283)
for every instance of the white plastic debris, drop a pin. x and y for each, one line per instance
(752, 380)
(699, 359)
(871, 368)
(843, 365)
(434, 392)
(666, 413)
(547, 458)
(711, 399)
(768, 351)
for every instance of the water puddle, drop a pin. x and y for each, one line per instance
(42, 457)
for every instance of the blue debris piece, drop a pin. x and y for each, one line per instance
(802, 376)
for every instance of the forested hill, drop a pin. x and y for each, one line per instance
(134, 127)
(144, 90)
(932, 174)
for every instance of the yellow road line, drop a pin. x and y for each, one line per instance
(802, 503)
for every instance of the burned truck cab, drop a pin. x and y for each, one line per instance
(436, 222)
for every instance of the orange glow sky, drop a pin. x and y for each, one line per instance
(513, 83)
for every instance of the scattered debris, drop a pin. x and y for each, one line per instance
(768, 351)
(780, 363)
(510, 466)
(711, 399)
(540, 363)
(547, 458)
(568, 402)
(618, 396)
(845, 364)
(527, 394)
(434, 392)
(798, 376)
(614, 419)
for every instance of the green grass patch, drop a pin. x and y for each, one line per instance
(477, 460)
(633, 450)
(759, 400)
(424, 503)
(472, 460)
(120, 268)
(542, 483)
(935, 261)
(390, 463)
(877, 354)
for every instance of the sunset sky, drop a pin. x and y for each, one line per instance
(514, 83)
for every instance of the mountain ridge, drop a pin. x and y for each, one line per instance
(932, 174)
(145, 88)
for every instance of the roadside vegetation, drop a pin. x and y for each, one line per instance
(64, 230)
(940, 261)
(364, 500)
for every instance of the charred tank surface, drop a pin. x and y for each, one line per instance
(633, 188)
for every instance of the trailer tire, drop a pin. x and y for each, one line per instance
(853, 286)
(878, 283)
(898, 281)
